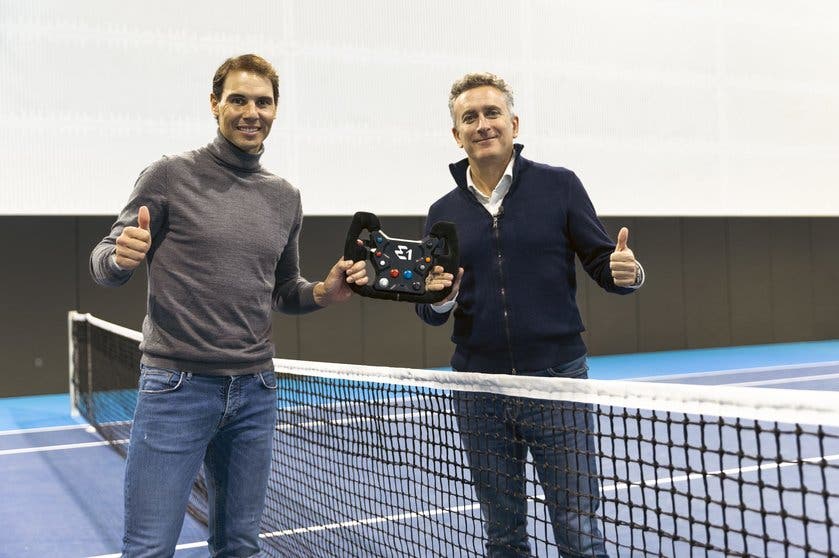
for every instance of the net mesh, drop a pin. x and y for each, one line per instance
(396, 462)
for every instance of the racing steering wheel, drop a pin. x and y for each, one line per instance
(401, 266)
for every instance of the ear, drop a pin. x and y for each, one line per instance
(456, 135)
(214, 105)
(515, 126)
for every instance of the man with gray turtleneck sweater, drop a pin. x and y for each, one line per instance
(220, 236)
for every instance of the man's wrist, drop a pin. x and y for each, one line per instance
(443, 307)
(319, 294)
(639, 276)
(114, 262)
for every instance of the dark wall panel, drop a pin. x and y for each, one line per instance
(286, 335)
(661, 302)
(750, 281)
(705, 265)
(336, 333)
(36, 291)
(792, 280)
(437, 345)
(825, 247)
(710, 282)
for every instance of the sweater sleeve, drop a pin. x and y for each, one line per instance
(589, 239)
(149, 191)
(292, 293)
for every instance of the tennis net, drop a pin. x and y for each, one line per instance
(371, 461)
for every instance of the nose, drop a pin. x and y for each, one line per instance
(483, 123)
(249, 110)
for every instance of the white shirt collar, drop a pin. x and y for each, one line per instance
(500, 189)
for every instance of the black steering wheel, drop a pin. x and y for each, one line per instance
(401, 265)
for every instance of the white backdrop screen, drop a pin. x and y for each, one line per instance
(661, 107)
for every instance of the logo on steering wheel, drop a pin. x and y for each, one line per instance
(401, 252)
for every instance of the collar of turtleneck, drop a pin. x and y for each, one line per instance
(231, 156)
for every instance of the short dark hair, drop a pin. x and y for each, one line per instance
(249, 63)
(471, 81)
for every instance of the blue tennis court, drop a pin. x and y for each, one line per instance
(63, 485)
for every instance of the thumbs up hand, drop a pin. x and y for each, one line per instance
(622, 262)
(134, 242)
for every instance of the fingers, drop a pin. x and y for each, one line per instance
(623, 268)
(438, 279)
(356, 272)
(624, 278)
(132, 245)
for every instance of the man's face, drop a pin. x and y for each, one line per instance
(483, 125)
(246, 109)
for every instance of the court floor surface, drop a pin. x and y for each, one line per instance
(61, 488)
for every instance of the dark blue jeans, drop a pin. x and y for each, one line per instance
(497, 431)
(184, 419)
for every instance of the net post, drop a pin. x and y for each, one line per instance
(72, 315)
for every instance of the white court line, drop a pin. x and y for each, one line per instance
(61, 447)
(734, 371)
(310, 424)
(649, 483)
(787, 380)
(617, 487)
(45, 429)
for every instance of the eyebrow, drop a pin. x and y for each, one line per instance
(472, 111)
(243, 96)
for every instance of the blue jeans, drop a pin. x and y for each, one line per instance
(184, 419)
(497, 431)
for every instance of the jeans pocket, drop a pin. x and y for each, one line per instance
(577, 368)
(156, 380)
(268, 379)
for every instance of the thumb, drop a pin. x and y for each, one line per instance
(143, 218)
(623, 236)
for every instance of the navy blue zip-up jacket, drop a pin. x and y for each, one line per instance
(516, 309)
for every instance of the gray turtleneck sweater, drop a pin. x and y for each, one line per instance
(224, 253)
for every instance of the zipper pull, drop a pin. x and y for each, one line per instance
(497, 216)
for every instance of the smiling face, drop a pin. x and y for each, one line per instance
(484, 126)
(246, 109)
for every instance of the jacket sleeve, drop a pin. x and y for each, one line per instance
(149, 190)
(429, 316)
(589, 239)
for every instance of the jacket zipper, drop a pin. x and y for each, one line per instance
(496, 229)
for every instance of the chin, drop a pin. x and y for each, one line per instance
(488, 155)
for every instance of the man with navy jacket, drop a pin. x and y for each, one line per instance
(520, 225)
